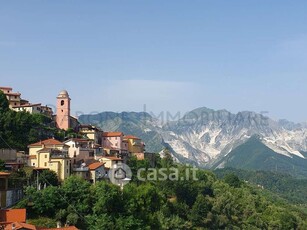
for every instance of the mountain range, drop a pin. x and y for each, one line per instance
(217, 138)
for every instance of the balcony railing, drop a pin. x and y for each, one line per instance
(81, 169)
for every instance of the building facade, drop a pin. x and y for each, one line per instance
(13, 98)
(135, 144)
(51, 154)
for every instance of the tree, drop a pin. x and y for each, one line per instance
(2, 165)
(48, 177)
(77, 198)
(167, 161)
(232, 180)
(4, 104)
(200, 209)
(107, 198)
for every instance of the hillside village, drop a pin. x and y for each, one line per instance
(89, 154)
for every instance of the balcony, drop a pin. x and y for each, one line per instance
(81, 169)
(59, 154)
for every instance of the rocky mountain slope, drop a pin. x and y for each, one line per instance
(205, 136)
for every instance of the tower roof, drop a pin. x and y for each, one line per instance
(63, 93)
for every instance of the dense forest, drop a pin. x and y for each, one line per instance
(286, 186)
(208, 203)
(19, 129)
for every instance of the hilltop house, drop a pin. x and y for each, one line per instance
(13, 98)
(135, 144)
(110, 161)
(51, 154)
(18, 104)
(34, 109)
(91, 132)
(80, 149)
(114, 145)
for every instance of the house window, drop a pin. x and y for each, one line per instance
(67, 162)
(33, 164)
(45, 164)
(46, 156)
(2, 184)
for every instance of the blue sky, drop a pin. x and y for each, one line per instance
(170, 55)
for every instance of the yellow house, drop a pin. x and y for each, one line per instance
(51, 154)
(135, 144)
(91, 132)
(110, 161)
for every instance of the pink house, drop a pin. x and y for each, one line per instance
(114, 143)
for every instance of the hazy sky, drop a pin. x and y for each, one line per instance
(170, 55)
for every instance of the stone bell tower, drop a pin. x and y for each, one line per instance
(63, 110)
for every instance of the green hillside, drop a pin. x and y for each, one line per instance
(292, 189)
(254, 155)
(18, 129)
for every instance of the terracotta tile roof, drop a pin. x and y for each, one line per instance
(95, 165)
(12, 215)
(21, 226)
(112, 134)
(46, 142)
(13, 94)
(132, 137)
(32, 157)
(78, 140)
(63, 228)
(113, 158)
(45, 150)
(4, 174)
(7, 88)
(27, 105)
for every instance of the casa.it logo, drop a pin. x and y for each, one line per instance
(120, 174)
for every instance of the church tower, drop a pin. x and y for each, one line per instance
(63, 110)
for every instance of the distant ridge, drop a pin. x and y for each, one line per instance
(205, 136)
